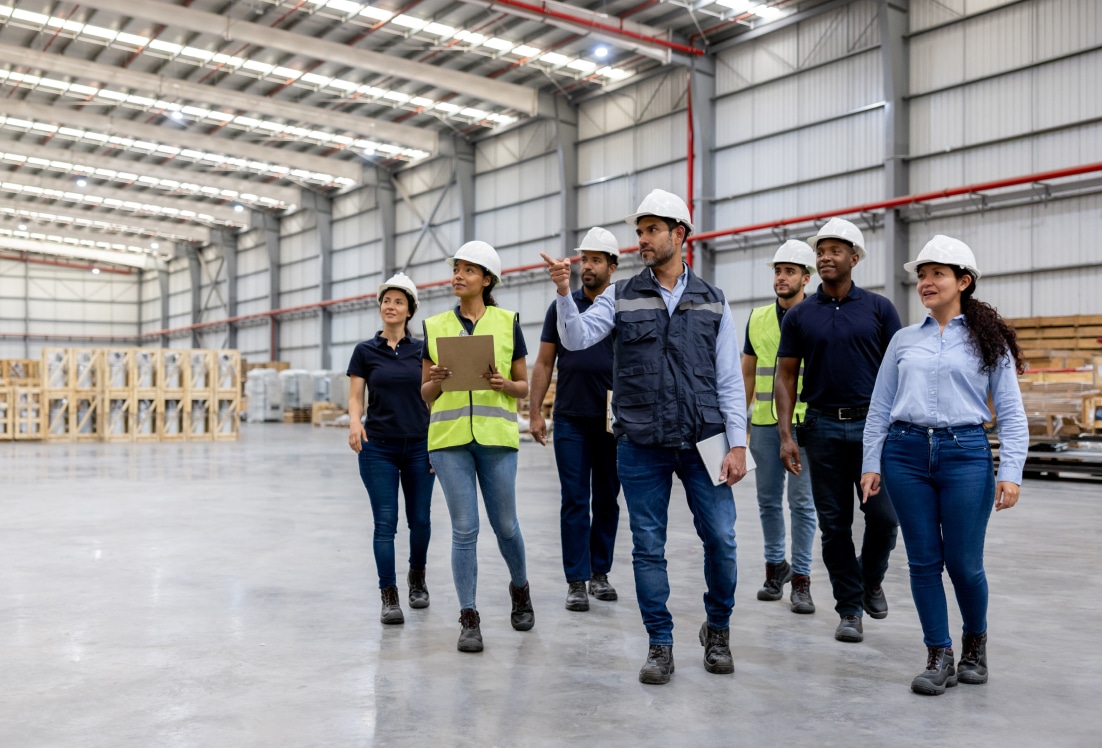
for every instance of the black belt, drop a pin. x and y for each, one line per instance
(843, 414)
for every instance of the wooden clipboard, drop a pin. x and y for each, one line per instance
(468, 357)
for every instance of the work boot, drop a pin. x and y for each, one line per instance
(658, 668)
(801, 594)
(576, 597)
(776, 576)
(972, 668)
(601, 589)
(470, 635)
(717, 650)
(523, 618)
(874, 602)
(939, 673)
(418, 592)
(392, 611)
(850, 630)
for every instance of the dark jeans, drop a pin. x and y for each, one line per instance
(942, 485)
(384, 463)
(646, 474)
(586, 456)
(834, 457)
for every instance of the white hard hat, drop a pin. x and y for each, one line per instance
(402, 282)
(598, 239)
(664, 205)
(795, 252)
(480, 253)
(945, 250)
(840, 228)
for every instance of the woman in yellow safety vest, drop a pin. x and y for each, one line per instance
(473, 435)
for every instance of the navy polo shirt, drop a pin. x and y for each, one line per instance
(520, 350)
(394, 405)
(585, 376)
(841, 342)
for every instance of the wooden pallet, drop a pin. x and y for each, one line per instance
(298, 415)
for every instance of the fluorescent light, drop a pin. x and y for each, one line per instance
(583, 65)
(525, 51)
(554, 58)
(499, 44)
(739, 6)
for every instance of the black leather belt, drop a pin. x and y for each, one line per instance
(844, 414)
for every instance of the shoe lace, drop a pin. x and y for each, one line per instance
(657, 653)
(971, 649)
(390, 596)
(801, 584)
(521, 597)
(468, 619)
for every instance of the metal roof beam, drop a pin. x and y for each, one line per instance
(129, 225)
(287, 195)
(70, 193)
(91, 235)
(130, 259)
(522, 98)
(178, 137)
(173, 88)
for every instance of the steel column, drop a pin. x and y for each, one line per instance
(897, 143)
(269, 225)
(322, 208)
(195, 274)
(702, 91)
(566, 149)
(162, 280)
(464, 182)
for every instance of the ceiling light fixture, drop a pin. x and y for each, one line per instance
(601, 52)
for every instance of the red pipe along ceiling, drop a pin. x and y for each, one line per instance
(608, 28)
(857, 209)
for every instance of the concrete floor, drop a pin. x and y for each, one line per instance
(225, 595)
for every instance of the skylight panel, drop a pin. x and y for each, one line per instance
(554, 58)
(162, 46)
(499, 44)
(376, 13)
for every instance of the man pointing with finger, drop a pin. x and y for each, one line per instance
(584, 450)
(676, 382)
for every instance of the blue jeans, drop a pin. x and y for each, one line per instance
(384, 463)
(765, 446)
(462, 470)
(834, 457)
(942, 484)
(586, 457)
(646, 473)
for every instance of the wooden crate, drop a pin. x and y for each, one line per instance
(28, 418)
(86, 369)
(7, 413)
(226, 418)
(227, 372)
(200, 373)
(86, 416)
(323, 414)
(56, 368)
(173, 372)
(57, 408)
(147, 369)
(171, 420)
(23, 371)
(146, 416)
(119, 369)
(118, 422)
(198, 418)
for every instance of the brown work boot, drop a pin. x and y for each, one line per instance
(939, 673)
(392, 611)
(972, 669)
(470, 635)
(801, 594)
(418, 591)
(776, 576)
(523, 617)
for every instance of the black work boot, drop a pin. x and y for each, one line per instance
(801, 594)
(522, 617)
(776, 576)
(972, 668)
(874, 602)
(658, 668)
(717, 650)
(849, 630)
(418, 592)
(392, 611)
(470, 635)
(601, 589)
(939, 673)
(576, 597)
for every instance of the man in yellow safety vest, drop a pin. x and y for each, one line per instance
(792, 266)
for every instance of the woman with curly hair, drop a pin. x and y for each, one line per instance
(925, 436)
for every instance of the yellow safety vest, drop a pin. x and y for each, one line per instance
(483, 416)
(765, 337)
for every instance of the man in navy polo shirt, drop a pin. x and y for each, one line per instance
(584, 450)
(841, 334)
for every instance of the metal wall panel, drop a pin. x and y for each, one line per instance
(253, 342)
(514, 145)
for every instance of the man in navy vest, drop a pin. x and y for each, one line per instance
(584, 450)
(676, 382)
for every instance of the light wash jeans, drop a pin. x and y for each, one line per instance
(461, 471)
(765, 446)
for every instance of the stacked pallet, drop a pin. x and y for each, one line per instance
(123, 394)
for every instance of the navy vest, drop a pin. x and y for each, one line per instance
(664, 368)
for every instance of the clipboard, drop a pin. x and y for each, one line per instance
(712, 451)
(468, 357)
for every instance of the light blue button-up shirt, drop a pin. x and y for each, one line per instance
(933, 379)
(579, 330)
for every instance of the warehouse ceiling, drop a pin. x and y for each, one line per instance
(127, 126)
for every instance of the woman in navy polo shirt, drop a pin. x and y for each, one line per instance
(393, 444)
